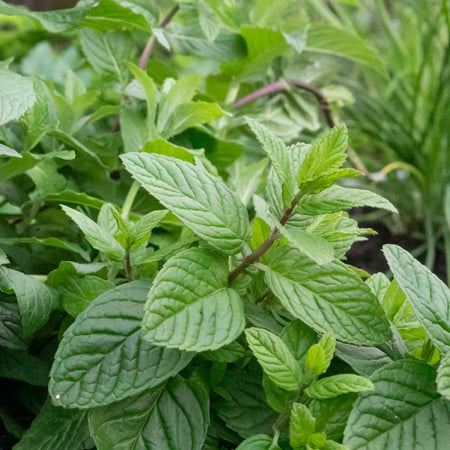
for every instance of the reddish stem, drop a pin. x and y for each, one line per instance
(148, 50)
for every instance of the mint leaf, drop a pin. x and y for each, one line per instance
(298, 338)
(16, 96)
(443, 377)
(403, 410)
(257, 442)
(103, 359)
(190, 306)
(57, 429)
(275, 358)
(337, 198)
(11, 333)
(173, 415)
(36, 300)
(97, 236)
(337, 385)
(327, 298)
(301, 425)
(203, 202)
(428, 295)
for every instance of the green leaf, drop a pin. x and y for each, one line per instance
(103, 359)
(403, 411)
(228, 353)
(120, 14)
(78, 198)
(328, 344)
(96, 235)
(443, 377)
(328, 153)
(277, 398)
(327, 298)
(298, 338)
(141, 230)
(245, 409)
(275, 358)
(56, 429)
(16, 96)
(428, 295)
(203, 202)
(106, 52)
(338, 198)
(7, 151)
(11, 333)
(173, 415)
(301, 425)
(257, 442)
(190, 305)
(163, 147)
(315, 247)
(51, 242)
(36, 300)
(76, 291)
(21, 366)
(330, 39)
(315, 361)
(277, 152)
(330, 387)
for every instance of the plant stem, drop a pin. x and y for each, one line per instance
(257, 253)
(430, 240)
(148, 50)
(128, 270)
(128, 203)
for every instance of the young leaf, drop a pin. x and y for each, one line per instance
(190, 305)
(103, 359)
(36, 300)
(203, 202)
(141, 230)
(326, 154)
(337, 198)
(403, 410)
(275, 358)
(301, 426)
(330, 387)
(315, 361)
(428, 295)
(327, 298)
(328, 344)
(173, 415)
(16, 96)
(57, 429)
(97, 236)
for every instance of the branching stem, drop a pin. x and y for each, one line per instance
(264, 247)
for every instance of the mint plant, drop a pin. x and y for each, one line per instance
(173, 269)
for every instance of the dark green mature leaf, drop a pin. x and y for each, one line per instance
(203, 202)
(428, 295)
(298, 338)
(327, 298)
(36, 300)
(190, 305)
(245, 409)
(173, 415)
(16, 95)
(443, 377)
(102, 357)
(11, 333)
(257, 442)
(403, 411)
(19, 365)
(56, 429)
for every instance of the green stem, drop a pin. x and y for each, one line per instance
(430, 240)
(447, 253)
(128, 203)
